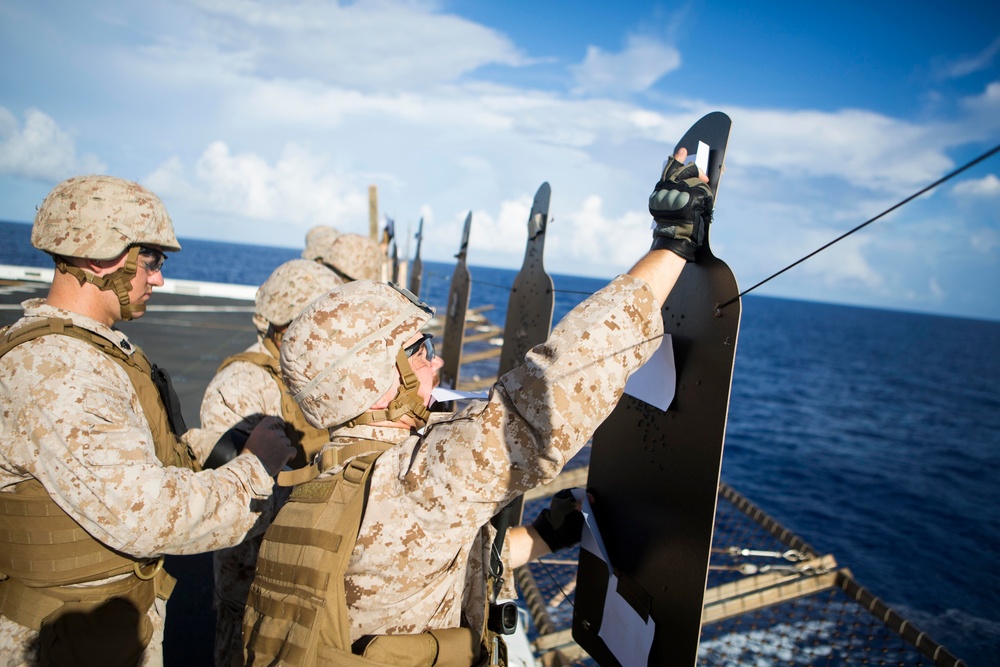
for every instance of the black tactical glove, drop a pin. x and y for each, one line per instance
(681, 206)
(561, 523)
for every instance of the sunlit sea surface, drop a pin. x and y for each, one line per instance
(874, 435)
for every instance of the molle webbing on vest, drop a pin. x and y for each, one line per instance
(297, 599)
(306, 439)
(328, 459)
(41, 547)
(297, 608)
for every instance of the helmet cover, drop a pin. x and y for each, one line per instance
(354, 256)
(338, 357)
(99, 217)
(290, 288)
(318, 238)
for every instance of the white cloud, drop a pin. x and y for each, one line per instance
(299, 190)
(169, 181)
(642, 62)
(987, 186)
(980, 121)
(467, 153)
(505, 234)
(367, 45)
(973, 63)
(265, 119)
(593, 242)
(934, 290)
(282, 102)
(989, 100)
(845, 265)
(40, 149)
(862, 148)
(986, 241)
(759, 240)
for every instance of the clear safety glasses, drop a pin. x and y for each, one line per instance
(426, 342)
(152, 259)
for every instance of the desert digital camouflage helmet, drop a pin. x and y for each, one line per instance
(353, 256)
(341, 355)
(100, 217)
(290, 288)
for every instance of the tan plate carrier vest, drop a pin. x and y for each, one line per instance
(297, 609)
(306, 439)
(42, 549)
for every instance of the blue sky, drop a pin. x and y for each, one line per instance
(255, 121)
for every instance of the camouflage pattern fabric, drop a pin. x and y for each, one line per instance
(418, 561)
(99, 217)
(240, 395)
(354, 256)
(338, 357)
(317, 239)
(290, 288)
(72, 420)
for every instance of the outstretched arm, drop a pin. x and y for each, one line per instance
(526, 545)
(660, 269)
(681, 206)
(558, 526)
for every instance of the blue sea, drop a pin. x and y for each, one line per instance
(874, 435)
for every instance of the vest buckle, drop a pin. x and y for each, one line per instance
(157, 565)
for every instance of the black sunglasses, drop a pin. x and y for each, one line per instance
(426, 341)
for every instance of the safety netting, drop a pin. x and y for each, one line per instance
(771, 600)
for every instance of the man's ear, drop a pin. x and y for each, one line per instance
(92, 265)
(387, 397)
(96, 266)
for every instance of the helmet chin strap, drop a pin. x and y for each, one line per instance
(120, 281)
(406, 402)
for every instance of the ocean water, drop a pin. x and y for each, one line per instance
(873, 435)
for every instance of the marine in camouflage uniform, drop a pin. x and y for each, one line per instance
(95, 486)
(417, 566)
(318, 238)
(350, 256)
(248, 387)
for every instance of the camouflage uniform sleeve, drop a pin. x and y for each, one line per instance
(240, 395)
(78, 428)
(201, 441)
(540, 414)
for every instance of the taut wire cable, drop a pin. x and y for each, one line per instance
(889, 210)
